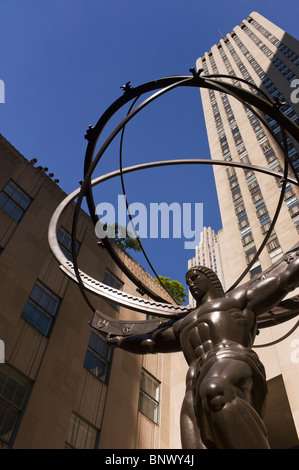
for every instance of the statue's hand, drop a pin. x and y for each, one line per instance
(113, 340)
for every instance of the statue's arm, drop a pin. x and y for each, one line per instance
(162, 340)
(268, 292)
(289, 278)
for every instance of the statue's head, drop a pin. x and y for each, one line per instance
(200, 279)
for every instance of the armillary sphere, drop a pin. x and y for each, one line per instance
(259, 104)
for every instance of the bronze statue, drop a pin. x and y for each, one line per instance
(226, 383)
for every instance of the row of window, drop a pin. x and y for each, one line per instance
(253, 186)
(40, 312)
(273, 246)
(269, 85)
(283, 69)
(14, 386)
(83, 435)
(14, 201)
(15, 389)
(243, 222)
(255, 123)
(262, 139)
(291, 55)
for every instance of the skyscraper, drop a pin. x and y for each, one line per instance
(267, 57)
(207, 253)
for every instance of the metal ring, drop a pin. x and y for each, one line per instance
(117, 296)
(207, 82)
(163, 85)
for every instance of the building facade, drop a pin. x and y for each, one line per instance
(207, 253)
(60, 385)
(267, 57)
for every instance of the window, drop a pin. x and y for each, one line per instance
(242, 215)
(251, 178)
(259, 204)
(265, 228)
(254, 189)
(274, 164)
(98, 357)
(112, 281)
(250, 248)
(240, 146)
(275, 254)
(14, 388)
(41, 308)
(245, 231)
(265, 145)
(230, 171)
(235, 189)
(294, 210)
(14, 201)
(264, 219)
(296, 220)
(291, 201)
(81, 434)
(65, 243)
(256, 268)
(243, 223)
(262, 211)
(149, 396)
(237, 201)
(247, 239)
(274, 243)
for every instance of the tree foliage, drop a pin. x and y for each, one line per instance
(123, 237)
(176, 289)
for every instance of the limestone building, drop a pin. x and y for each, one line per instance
(60, 385)
(268, 57)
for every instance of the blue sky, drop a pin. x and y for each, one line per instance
(63, 63)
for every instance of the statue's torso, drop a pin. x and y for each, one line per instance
(216, 322)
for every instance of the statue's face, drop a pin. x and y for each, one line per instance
(198, 283)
